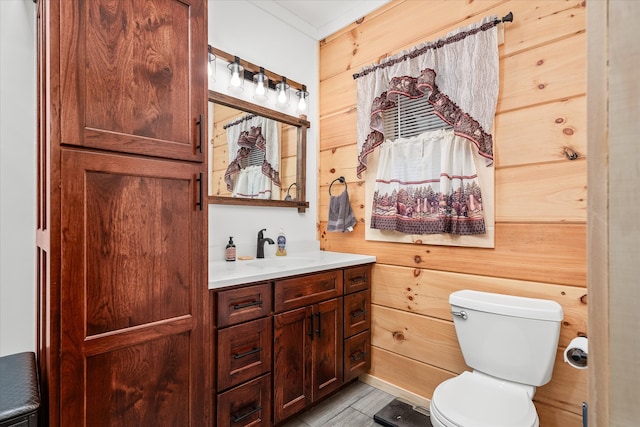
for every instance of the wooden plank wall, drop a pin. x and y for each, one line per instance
(540, 247)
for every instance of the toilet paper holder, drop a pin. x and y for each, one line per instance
(577, 352)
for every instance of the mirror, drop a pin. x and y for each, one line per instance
(267, 165)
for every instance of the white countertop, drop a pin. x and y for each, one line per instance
(228, 273)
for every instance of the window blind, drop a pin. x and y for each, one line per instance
(411, 117)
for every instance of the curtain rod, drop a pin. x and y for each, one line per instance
(435, 45)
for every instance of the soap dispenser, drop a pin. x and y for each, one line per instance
(230, 252)
(282, 242)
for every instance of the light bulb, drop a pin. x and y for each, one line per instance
(302, 104)
(282, 96)
(260, 91)
(235, 78)
(236, 81)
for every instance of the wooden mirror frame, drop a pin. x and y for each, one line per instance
(301, 153)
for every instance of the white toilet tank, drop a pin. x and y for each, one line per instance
(509, 337)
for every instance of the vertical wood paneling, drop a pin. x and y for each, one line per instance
(540, 248)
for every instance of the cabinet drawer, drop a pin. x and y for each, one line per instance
(242, 304)
(306, 290)
(244, 352)
(357, 278)
(357, 355)
(246, 405)
(357, 317)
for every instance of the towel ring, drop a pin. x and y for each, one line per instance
(288, 196)
(341, 179)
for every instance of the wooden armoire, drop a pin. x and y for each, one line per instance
(122, 213)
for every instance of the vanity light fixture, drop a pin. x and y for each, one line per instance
(236, 82)
(302, 102)
(282, 93)
(262, 84)
(212, 69)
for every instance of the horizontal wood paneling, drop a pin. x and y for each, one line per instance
(552, 253)
(404, 372)
(546, 73)
(540, 194)
(558, 193)
(381, 36)
(418, 337)
(426, 292)
(541, 133)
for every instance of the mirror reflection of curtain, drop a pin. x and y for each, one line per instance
(254, 157)
(459, 76)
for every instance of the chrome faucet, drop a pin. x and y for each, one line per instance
(261, 242)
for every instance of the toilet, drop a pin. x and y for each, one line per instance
(510, 343)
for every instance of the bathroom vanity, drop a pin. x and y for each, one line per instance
(286, 332)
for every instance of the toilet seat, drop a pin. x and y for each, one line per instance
(488, 402)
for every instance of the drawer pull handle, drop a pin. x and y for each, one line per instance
(246, 304)
(358, 279)
(357, 313)
(358, 355)
(238, 418)
(247, 353)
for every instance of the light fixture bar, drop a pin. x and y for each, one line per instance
(254, 69)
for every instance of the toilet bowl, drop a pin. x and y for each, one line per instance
(510, 343)
(477, 400)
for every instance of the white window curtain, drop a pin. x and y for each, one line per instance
(245, 137)
(459, 76)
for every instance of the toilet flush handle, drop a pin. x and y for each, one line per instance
(461, 313)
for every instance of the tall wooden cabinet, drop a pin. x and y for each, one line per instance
(121, 212)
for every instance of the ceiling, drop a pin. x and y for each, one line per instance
(318, 18)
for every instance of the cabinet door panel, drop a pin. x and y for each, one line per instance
(132, 294)
(140, 385)
(134, 76)
(292, 362)
(327, 348)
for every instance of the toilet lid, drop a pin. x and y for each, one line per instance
(472, 400)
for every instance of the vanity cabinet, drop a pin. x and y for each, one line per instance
(120, 212)
(307, 340)
(282, 345)
(243, 355)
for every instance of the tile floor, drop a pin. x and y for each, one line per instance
(354, 406)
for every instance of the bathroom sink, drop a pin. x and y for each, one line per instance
(278, 262)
